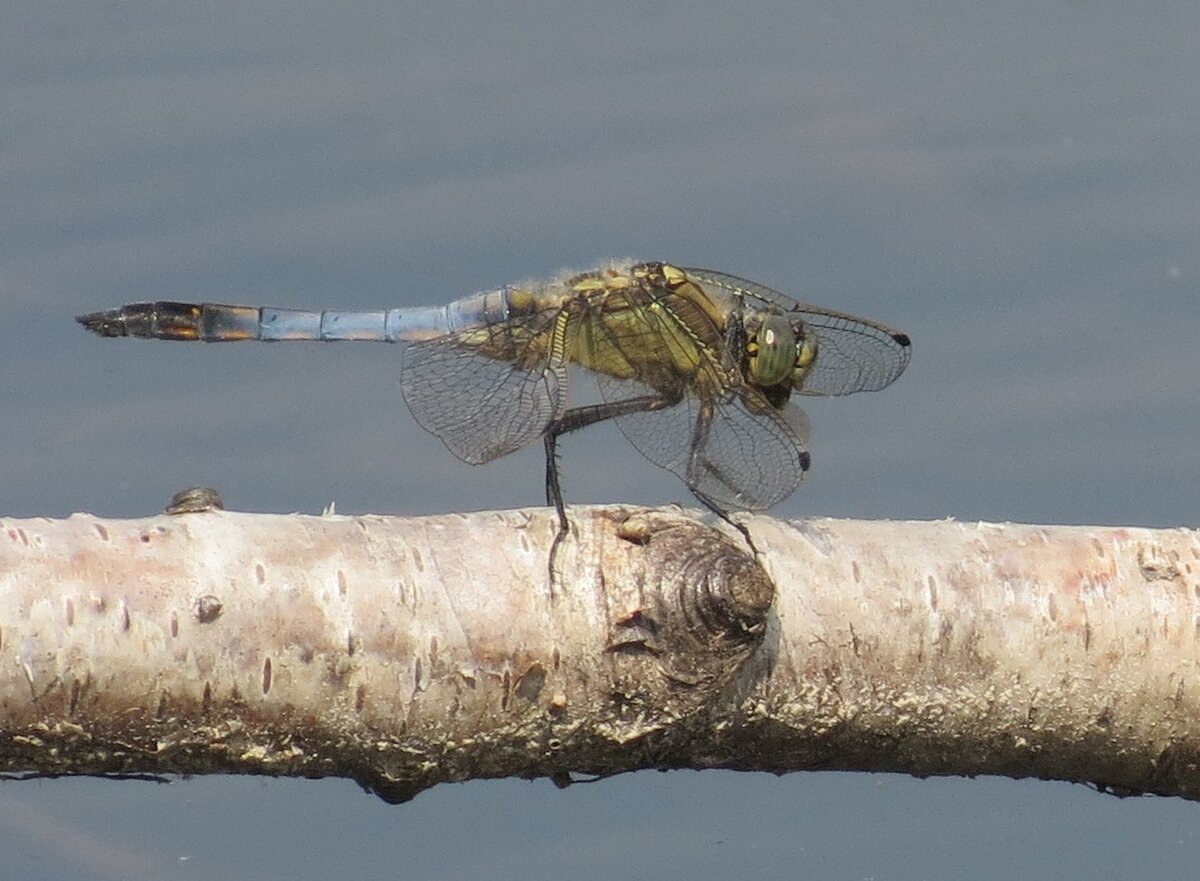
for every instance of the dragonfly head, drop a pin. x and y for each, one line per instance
(779, 348)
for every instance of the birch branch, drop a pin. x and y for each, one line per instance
(403, 652)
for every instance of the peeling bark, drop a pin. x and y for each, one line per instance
(407, 652)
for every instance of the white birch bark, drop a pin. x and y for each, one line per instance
(406, 652)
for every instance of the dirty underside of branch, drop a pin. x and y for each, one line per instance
(403, 652)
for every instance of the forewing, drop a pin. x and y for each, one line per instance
(482, 406)
(734, 285)
(853, 354)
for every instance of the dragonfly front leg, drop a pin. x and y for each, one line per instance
(697, 460)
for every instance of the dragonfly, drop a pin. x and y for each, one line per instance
(700, 370)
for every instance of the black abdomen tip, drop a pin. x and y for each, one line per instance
(104, 323)
(164, 321)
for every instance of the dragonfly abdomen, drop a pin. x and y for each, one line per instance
(216, 322)
(482, 310)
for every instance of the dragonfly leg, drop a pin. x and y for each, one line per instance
(553, 489)
(581, 417)
(554, 497)
(699, 441)
(573, 420)
(698, 462)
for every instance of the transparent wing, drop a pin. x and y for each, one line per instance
(485, 406)
(735, 451)
(853, 354)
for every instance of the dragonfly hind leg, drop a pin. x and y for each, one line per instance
(581, 417)
(573, 420)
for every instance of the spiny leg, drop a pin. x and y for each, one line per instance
(699, 442)
(553, 489)
(573, 420)
(581, 417)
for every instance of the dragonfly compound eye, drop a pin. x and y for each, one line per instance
(773, 350)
